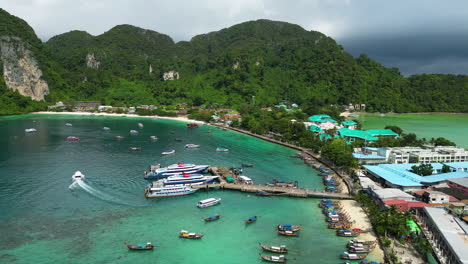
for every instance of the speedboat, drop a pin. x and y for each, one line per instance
(119, 137)
(208, 202)
(133, 132)
(192, 146)
(140, 125)
(153, 137)
(30, 130)
(105, 128)
(68, 124)
(222, 149)
(168, 152)
(188, 179)
(135, 149)
(72, 138)
(78, 176)
(174, 169)
(157, 189)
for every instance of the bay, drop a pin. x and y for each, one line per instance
(44, 220)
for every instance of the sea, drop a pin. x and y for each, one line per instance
(45, 218)
(427, 125)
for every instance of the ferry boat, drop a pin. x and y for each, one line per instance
(133, 132)
(78, 176)
(192, 146)
(156, 190)
(188, 179)
(208, 202)
(174, 169)
(222, 149)
(72, 138)
(168, 152)
(30, 130)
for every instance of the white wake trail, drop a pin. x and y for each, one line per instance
(101, 195)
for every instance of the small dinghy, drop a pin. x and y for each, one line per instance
(251, 220)
(78, 176)
(148, 246)
(168, 152)
(186, 234)
(212, 218)
(279, 259)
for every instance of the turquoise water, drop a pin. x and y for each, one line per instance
(45, 220)
(451, 126)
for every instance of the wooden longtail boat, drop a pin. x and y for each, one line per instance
(280, 249)
(247, 165)
(364, 242)
(186, 234)
(347, 233)
(212, 218)
(251, 220)
(293, 228)
(288, 233)
(360, 249)
(346, 255)
(279, 259)
(147, 246)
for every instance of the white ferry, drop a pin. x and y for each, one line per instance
(156, 190)
(208, 202)
(174, 169)
(188, 179)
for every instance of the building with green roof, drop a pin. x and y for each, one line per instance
(349, 124)
(315, 129)
(381, 132)
(321, 119)
(350, 135)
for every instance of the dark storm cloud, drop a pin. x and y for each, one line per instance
(414, 35)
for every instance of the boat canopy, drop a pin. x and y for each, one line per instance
(207, 200)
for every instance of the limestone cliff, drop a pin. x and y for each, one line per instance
(20, 69)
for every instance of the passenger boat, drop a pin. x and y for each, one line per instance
(119, 137)
(105, 128)
(186, 234)
(140, 125)
(72, 138)
(30, 130)
(135, 149)
(251, 220)
(78, 176)
(147, 246)
(168, 152)
(247, 165)
(347, 233)
(192, 146)
(174, 169)
(133, 132)
(68, 124)
(156, 190)
(188, 179)
(280, 249)
(279, 259)
(222, 149)
(288, 227)
(153, 137)
(347, 255)
(212, 218)
(208, 202)
(192, 125)
(287, 233)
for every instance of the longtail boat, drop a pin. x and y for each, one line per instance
(288, 233)
(251, 220)
(147, 246)
(347, 233)
(360, 241)
(360, 249)
(346, 255)
(212, 218)
(247, 165)
(186, 234)
(288, 227)
(279, 259)
(280, 249)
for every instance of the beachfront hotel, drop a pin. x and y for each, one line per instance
(401, 176)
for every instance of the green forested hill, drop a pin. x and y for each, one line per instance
(270, 60)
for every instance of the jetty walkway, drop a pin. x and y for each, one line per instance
(277, 191)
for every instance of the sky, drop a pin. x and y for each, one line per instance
(416, 36)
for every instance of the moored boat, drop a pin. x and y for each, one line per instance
(287, 233)
(30, 130)
(106, 129)
(188, 179)
(78, 176)
(192, 125)
(140, 125)
(274, 249)
(153, 137)
(119, 137)
(279, 259)
(288, 227)
(192, 146)
(147, 246)
(72, 138)
(363, 242)
(244, 179)
(247, 165)
(251, 220)
(360, 250)
(156, 190)
(347, 233)
(222, 149)
(68, 124)
(349, 256)
(156, 172)
(133, 132)
(135, 149)
(168, 152)
(186, 234)
(208, 202)
(212, 218)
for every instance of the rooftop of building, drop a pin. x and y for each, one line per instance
(453, 231)
(321, 119)
(404, 205)
(348, 123)
(367, 156)
(460, 181)
(391, 193)
(346, 132)
(381, 132)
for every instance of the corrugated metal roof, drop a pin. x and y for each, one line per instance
(346, 132)
(367, 156)
(381, 132)
(461, 181)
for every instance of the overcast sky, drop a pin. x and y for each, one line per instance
(417, 36)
